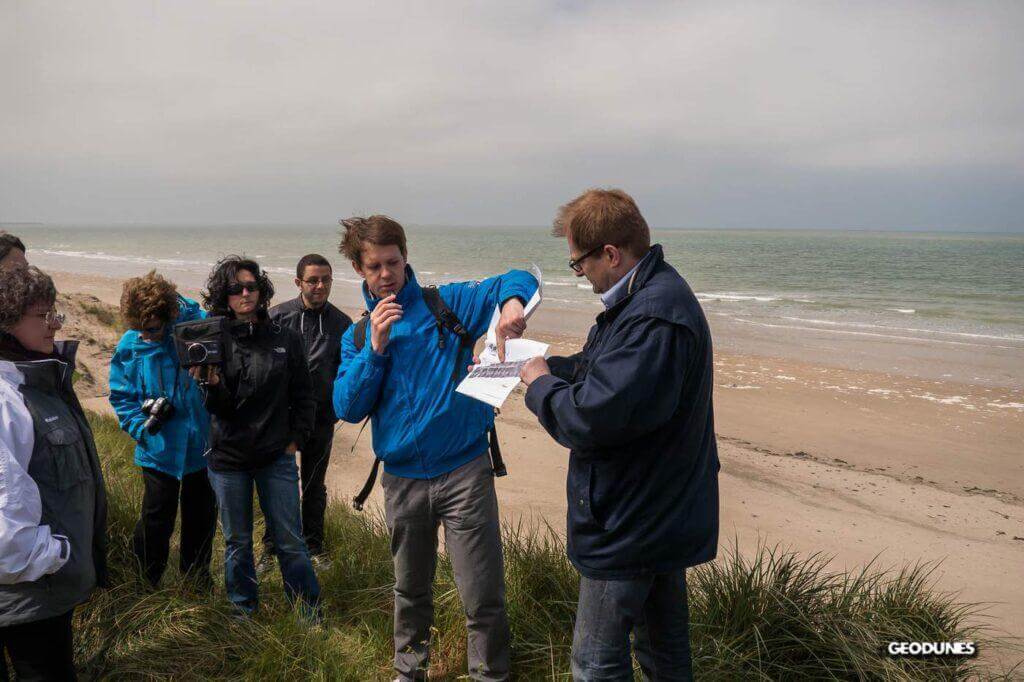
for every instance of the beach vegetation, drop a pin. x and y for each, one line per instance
(765, 614)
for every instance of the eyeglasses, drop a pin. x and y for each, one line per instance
(53, 318)
(235, 288)
(314, 282)
(575, 264)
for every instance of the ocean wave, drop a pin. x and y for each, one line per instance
(145, 260)
(865, 325)
(729, 296)
(905, 311)
(894, 337)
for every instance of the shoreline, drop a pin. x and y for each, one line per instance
(852, 463)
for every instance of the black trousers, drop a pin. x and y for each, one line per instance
(40, 650)
(313, 461)
(152, 539)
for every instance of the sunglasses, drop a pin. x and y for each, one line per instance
(236, 288)
(153, 330)
(575, 264)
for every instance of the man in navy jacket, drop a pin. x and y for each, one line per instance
(634, 408)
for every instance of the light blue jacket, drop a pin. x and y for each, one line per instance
(144, 369)
(422, 428)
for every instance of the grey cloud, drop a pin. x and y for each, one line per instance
(880, 115)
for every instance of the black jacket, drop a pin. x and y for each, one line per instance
(634, 407)
(321, 331)
(264, 400)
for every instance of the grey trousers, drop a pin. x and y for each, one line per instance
(464, 502)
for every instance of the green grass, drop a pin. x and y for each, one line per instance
(771, 615)
(107, 315)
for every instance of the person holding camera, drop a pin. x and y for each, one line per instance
(161, 408)
(262, 406)
(53, 503)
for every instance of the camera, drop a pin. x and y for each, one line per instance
(160, 410)
(202, 342)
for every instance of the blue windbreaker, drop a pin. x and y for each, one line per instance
(142, 369)
(421, 427)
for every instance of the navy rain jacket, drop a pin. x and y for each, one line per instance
(634, 408)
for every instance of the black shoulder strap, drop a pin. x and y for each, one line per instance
(446, 319)
(444, 315)
(359, 335)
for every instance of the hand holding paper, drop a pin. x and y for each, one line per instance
(503, 355)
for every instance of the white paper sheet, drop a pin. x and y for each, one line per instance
(492, 381)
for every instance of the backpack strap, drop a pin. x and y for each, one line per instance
(360, 499)
(446, 319)
(359, 334)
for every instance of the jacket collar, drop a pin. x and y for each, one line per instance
(651, 261)
(408, 294)
(48, 375)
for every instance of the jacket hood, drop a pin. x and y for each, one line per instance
(133, 340)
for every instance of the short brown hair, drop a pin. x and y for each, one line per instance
(376, 229)
(604, 216)
(20, 289)
(148, 297)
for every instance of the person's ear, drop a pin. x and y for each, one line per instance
(614, 255)
(298, 282)
(358, 268)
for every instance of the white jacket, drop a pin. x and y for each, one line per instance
(28, 551)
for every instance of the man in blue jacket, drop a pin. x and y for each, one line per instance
(433, 441)
(171, 451)
(634, 408)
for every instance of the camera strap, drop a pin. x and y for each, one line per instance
(160, 382)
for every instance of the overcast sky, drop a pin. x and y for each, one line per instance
(878, 115)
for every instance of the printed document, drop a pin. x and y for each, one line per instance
(492, 381)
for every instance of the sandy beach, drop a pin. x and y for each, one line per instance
(824, 450)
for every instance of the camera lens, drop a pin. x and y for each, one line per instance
(196, 352)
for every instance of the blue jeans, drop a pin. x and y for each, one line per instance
(654, 608)
(277, 486)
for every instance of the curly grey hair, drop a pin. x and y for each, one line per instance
(7, 242)
(21, 289)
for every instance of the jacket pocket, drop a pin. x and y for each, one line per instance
(67, 467)
(581, 487)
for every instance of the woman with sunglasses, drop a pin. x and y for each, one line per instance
(262, 407)
(161, 408)
(53, 504)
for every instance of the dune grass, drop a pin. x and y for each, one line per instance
(766, 615)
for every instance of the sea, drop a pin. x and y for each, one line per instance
(953, 290)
